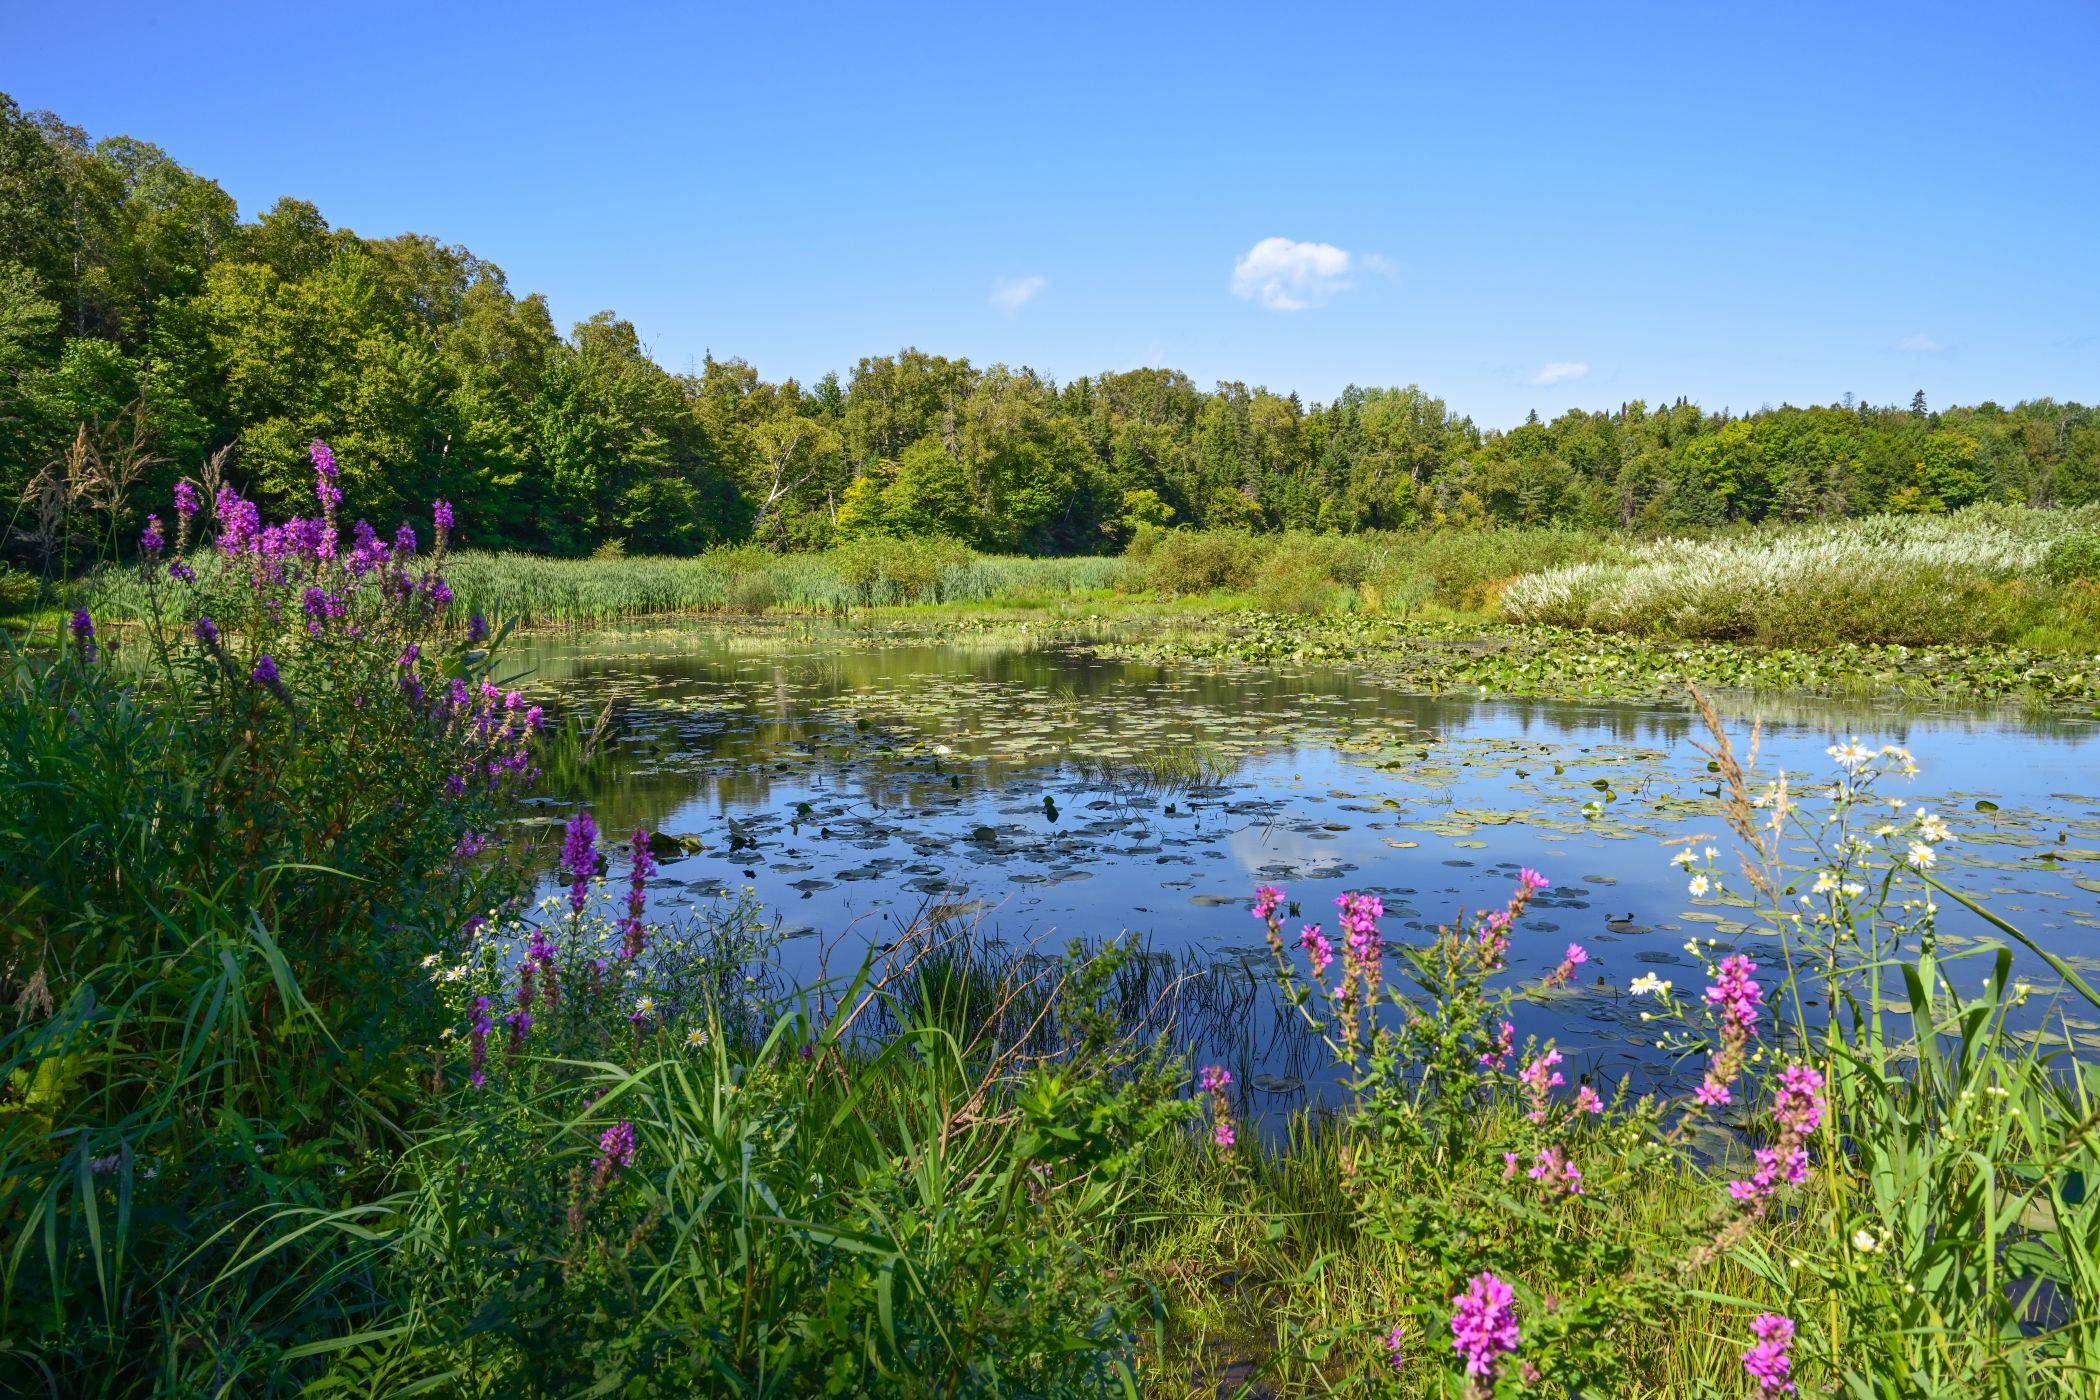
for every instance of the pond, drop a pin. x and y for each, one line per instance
(857, 780)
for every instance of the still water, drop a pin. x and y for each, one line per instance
(856, 781)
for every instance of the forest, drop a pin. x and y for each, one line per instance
(143, 319)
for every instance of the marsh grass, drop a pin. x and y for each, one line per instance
(1976, 576)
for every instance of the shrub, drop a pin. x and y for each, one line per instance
(751, 593)
(1181, 562)
(2073, 559)
(17, 590)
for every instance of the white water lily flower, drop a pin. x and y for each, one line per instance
(1649, 985)
(1922, 855)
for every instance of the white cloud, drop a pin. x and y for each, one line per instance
(1013, 293)
(1559, 370)
(1287, 276)
(1920, 344)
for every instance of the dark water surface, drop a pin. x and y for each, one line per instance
(854, 780)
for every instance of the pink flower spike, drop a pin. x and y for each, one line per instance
(1484, 1324)
(1532, 881)
(1576, 955)
(1767, 1363)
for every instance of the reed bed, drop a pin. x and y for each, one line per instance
(1974, 576)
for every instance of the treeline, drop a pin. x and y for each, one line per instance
(147, 332)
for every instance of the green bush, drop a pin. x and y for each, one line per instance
(2073, 559)
(18, 591)
(751, 593)
(1182, 562)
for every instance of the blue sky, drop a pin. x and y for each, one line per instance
(1513, 206)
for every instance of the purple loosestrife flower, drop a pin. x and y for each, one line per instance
(239, 522)
(441, 524)
(1505, 1039)
(185, 499)
(1737, 995)
(1213, 1081)
(1767, 1362)
(1798, 1109)
(615, 1153)
(634, 935)
(84, 634)
(207, 631)
(1318, 951)
(1360, 916)
(1484, 1325)
(404, 539)
(477, 629)
(1799, 1105)
(1266, 899)
(1577, 955)
(325, 489)
(1395, 1343)
(478, 1039)
(1540, 1078)
(1491, 939)
(579, 856)
(1586, 1101)
(181, 572)
(541, 953)
(265, 672)
(1556, 1173)
(151, 541)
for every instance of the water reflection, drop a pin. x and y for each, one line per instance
(855, 779)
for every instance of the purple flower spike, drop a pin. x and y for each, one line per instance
(325, 489)
(84, 633)
(265, 672)
(579, 856)
(1484, 1324)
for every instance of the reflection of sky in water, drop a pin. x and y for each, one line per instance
(1328, 774)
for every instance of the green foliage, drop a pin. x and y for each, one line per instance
(17, 590)
(2073, 558)
(218, 888)
(129, 282)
